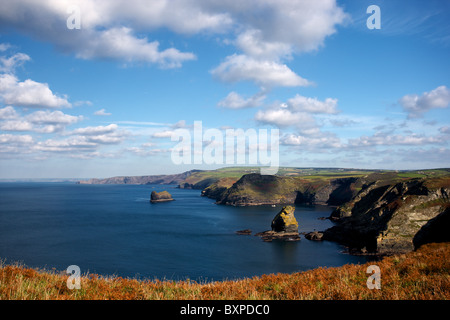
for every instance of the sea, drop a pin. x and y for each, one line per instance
(114, 230)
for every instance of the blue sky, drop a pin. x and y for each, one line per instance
(103, 100)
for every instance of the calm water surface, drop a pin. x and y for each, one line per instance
(114, 230)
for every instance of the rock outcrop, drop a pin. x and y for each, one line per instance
(284, 227)
(285, 220)
(394, 218)
(315, 236)
(162, 196)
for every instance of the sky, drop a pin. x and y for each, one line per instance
(93, 89)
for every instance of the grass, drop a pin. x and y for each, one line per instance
(423, 274)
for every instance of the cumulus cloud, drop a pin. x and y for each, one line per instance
(313, 105)
(235, 101)
(75, 144)
(43, 121)
(99, 130)
(283, 117)
(29, 93)
(15, 143)
(265, 73)
(298, 112)
(108, 28)
(265, 29)
(416, 105)
(252, 44)
(8, 113)
(52, 117)
(119, 43)
(109, 134)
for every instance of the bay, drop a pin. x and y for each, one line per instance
(114, 230)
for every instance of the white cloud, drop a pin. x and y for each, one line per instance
(163, 134)
(119, 43)
(321, 141)
(252, 44)
(8, 65)
(15, 139)
(298, 112)
(102, 112)
(283, 117)
(16, 125)
(235, 101)
(43, 121)
(100, 130)
(265, 29)
(52, 117)
(28, 93)
(382, 139)
(265, 73)
(4, 46)
(74, 144)
(8, 113)
(312, 105)
(417, 105)
(109, 134)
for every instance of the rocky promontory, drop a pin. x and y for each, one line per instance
(255, 189)
(162, 196)
(387, 218)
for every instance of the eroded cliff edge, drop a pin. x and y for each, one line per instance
(386, 218)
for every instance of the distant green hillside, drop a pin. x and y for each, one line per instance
(225, 177)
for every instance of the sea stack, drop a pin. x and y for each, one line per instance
(284, 226)
(162, 196)
(285, 221)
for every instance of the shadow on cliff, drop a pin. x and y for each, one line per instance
(435, 230)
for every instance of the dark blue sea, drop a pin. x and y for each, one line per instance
(114, 230)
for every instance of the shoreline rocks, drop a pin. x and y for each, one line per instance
(244, 232)
(268, 236)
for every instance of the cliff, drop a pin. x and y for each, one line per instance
(151, 179)
(386, 218)
(255, 189)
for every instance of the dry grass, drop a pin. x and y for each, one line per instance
(423, 275)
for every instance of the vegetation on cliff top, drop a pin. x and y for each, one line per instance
(423, 274)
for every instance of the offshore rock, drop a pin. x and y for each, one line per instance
(162, 196)
(285, 221)
(315, 236)
(284, 227)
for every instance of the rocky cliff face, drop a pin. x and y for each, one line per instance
(390, 218)
(255, 189)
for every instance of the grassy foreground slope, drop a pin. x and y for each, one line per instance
(423, 274)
